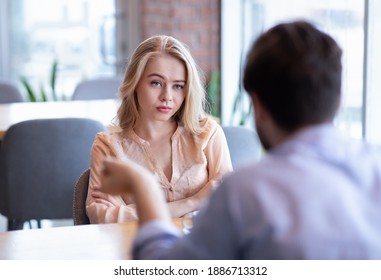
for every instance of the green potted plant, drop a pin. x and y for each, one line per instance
(35, 96)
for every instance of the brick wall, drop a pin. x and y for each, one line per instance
(194, 22)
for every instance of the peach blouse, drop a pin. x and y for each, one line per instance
(197, 160)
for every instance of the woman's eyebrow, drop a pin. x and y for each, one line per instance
(155, 74)
(162, 77)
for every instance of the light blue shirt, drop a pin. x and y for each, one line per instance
(316, 196)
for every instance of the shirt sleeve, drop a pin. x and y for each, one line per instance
(114, 207)
(154, 239)
(213, 236)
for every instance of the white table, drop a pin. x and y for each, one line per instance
(101, 110)
(84, 242)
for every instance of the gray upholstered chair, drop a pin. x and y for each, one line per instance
(40, 162)
(244, 145)
(9, 93)
(79, 199)
(98, 88)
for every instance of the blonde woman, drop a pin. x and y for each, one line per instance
(164, 128)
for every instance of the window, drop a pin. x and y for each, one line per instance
(79, 35)
(352, 23)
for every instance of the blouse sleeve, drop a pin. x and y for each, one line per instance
(103, 212)
(217, 154)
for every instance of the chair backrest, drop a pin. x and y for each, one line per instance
(40, 161)
(9, 93)
(79, 199)
(99, 88)
(244, 145)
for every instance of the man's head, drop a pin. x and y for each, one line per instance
(294, 71)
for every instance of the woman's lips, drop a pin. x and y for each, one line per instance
(164, 109)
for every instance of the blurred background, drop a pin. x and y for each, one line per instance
(84, 39)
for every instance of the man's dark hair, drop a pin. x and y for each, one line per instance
(295, 71)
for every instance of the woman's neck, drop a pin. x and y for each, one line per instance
(153, 131)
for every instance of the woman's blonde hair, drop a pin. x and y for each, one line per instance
(192, 111)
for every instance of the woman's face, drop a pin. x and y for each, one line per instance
(160, 91)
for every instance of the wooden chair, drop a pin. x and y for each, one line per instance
(79, 199)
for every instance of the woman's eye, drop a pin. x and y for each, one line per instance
(155, 83)
(179, 86)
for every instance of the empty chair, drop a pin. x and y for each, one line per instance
(40, 162)
(99, 88)
(9, 93)
(243, 143)
(79, 199)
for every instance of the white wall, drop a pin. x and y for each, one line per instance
(373, 97)
(4, 67)
(230, 55)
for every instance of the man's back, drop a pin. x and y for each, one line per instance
(317, 196)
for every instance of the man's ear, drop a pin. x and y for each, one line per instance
(260, 112)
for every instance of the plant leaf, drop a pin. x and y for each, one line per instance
(53, 78)
(43, 94)
(213, 91)
(31, 95)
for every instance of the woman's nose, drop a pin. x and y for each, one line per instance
(166, 94)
